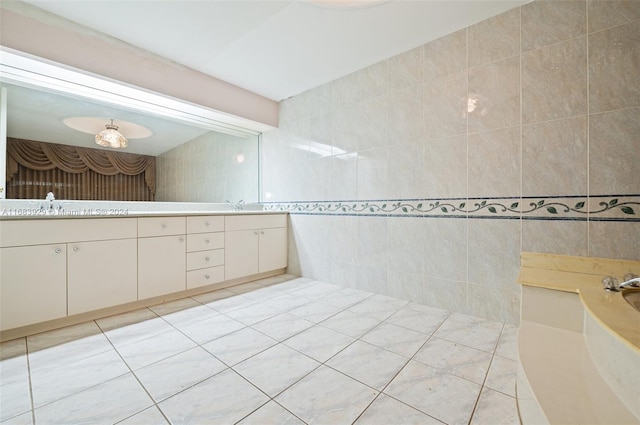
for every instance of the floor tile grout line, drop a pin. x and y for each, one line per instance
(475, 348)
(245, 326)
(143, 410)
(359, 339)
(262, 405)
(103, 332)
(320, 363)
(482, 386)
(157, 361)
(399, 371)
(228, 367)
(33, 406)
(381, 391)
(156, 403)
(318, 298)
(484, 381)
(242, 376)
(231, 368)
(131, 371)
(82, 390)
(408, 360)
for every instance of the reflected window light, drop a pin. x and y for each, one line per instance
(240, 158)
(471, 104)
(478, 104)
(320, 149)
(348, 156)
(267, 195)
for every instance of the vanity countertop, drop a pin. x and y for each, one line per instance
(130, 214)
(32, 209)
(583, 275)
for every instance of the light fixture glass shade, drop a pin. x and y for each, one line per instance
(111, 137)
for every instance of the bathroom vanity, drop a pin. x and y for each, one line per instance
(64, 269)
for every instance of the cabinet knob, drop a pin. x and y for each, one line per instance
(76, 248)
(164, 226)
(255, 233)
(181, 239)
(58, 250)
(206, 258)
(206, 241)
(206, 223)
(206, 276)
(261, 232)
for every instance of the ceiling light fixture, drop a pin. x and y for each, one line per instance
(111, 137)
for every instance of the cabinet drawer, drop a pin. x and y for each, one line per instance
(202, 259)
(204, 224)
(247, 222)
(202, 277)
(204, 241)
(161, 226)
(51, 231)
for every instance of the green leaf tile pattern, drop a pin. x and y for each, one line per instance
(607, 208)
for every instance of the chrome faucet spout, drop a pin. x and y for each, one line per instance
(631, 283)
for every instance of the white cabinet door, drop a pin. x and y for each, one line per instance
(272, 249)
(240, 253)
(161, 266)
(33, 284)
(101, 274)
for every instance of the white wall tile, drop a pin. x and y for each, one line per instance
(403, 129)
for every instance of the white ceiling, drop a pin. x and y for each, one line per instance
(276, 48)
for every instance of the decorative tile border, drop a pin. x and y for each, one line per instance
(580, 208)
(619, 208)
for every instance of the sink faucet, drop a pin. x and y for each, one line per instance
(50, 197)
(237, 206)
(631, 280)
(49, 205)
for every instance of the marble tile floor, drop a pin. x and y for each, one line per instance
(283, 350)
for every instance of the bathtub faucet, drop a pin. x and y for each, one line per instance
(631, 280)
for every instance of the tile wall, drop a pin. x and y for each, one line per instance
(214, 167)
(425, 175)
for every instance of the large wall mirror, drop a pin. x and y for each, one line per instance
(51, 114)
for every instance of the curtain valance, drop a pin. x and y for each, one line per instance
(71, 159)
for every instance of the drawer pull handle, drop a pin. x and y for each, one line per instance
(206, 276)
(206, 241)
(76, 248)
(164, 226)
(206, 258)
(58, 250)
